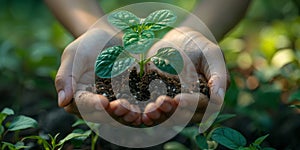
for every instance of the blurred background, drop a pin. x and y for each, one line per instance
(262, 54)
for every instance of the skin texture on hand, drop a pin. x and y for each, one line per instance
(76, 76)
(195, 46)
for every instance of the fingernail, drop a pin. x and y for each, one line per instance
(61, 97)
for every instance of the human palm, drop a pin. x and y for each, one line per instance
(201, 57)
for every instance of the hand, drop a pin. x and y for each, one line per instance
(207, 58)
(76, 77)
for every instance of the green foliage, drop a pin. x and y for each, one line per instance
(22, 122)
(137, 39)
(220, 135)
(169, 60)
(123, 20)
(174, 146)
(18, 123)
(229, 138)
(201, 141)
(138, 43)
(112, 62)
(159, 20)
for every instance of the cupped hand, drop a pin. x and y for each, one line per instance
(76, 77)
(207, 59)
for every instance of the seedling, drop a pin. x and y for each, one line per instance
(138, 37)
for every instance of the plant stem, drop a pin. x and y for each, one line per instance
(94, 140)
(142, 64)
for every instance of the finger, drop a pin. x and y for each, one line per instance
(146, 120)
(119, 107)
(190, 101)
(64, 78)
(217, 90)
(90, 102)
(138, 121)
(164, 104)
(72, 108)
(132, 115)
(152, 111)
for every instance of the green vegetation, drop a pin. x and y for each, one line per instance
(262, 55)
(137, 39)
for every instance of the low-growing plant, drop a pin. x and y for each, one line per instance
(139, 36)
(217, 135)
(18, 123)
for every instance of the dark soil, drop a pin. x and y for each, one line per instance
(143, 89)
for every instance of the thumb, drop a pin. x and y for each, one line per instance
(64, 80)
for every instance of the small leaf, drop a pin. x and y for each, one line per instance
(229, 138)
(295, 106)
(7, 111)
(294, 96)
(223, 117)
(75, 135)
(159, 20)
(137, 43)
(112, 62)
(22, 122)
(78, 122)
(174, 146)
(40, 141)
(4, 113)
(123, 19)
(259, 140)
(169, 60)
(190, 132)
(201, 141)
(21, 145)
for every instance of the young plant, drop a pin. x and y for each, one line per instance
(138, 37)
(18, 123)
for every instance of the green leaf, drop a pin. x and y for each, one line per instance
(112, 62)
(75, 135)
(229, 138)
(137, 43)
(78, 122)
(168, 59)
(201, 142)
(7, 111)
(123, 19)
(22, 122)
(295, 106)
(294, 96)
(223, 117)
(20, 145)
(4, 113)
(159, 20)
(174, 146)
(40, 141)
(190, 132)
(259, 140)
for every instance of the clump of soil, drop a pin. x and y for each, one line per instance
(149, 86)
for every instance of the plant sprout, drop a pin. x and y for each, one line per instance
(137, 39)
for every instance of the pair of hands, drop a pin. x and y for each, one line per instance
(76, 76)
